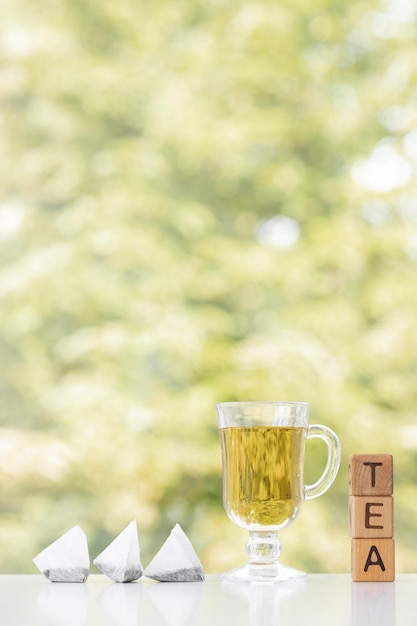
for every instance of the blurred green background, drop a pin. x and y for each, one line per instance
(202, 201)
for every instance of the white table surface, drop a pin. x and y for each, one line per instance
(325, 600)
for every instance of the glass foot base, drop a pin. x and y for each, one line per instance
(271, 573)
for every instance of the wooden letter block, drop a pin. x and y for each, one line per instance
(370, 474)
(373, 560)
(371, 516)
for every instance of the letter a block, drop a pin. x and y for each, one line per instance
(371, 517)
(373, 560)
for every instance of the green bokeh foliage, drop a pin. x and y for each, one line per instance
(142, 146)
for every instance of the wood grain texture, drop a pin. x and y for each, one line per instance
(370, 474)
(373, 560)
(371, 516)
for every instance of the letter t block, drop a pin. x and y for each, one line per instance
(370, 475)
(371, 523)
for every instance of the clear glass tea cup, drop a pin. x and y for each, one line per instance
(263, 446)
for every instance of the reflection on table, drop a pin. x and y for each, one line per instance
(318, 599)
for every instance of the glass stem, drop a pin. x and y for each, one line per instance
(263, 548)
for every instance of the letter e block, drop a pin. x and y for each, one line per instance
(370, 475)
(373, 560)
(371, 516)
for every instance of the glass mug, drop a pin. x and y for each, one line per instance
(263, 445)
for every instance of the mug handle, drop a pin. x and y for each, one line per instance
(333, 460)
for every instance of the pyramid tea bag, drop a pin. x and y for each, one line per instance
(66, 560)
(120, 561)
(176, 560)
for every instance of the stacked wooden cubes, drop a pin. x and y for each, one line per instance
(371, 517)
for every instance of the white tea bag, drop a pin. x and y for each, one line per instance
(66, 560)
(176, 561)
(120, 561)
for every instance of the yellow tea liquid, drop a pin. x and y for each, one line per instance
(263, 483)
